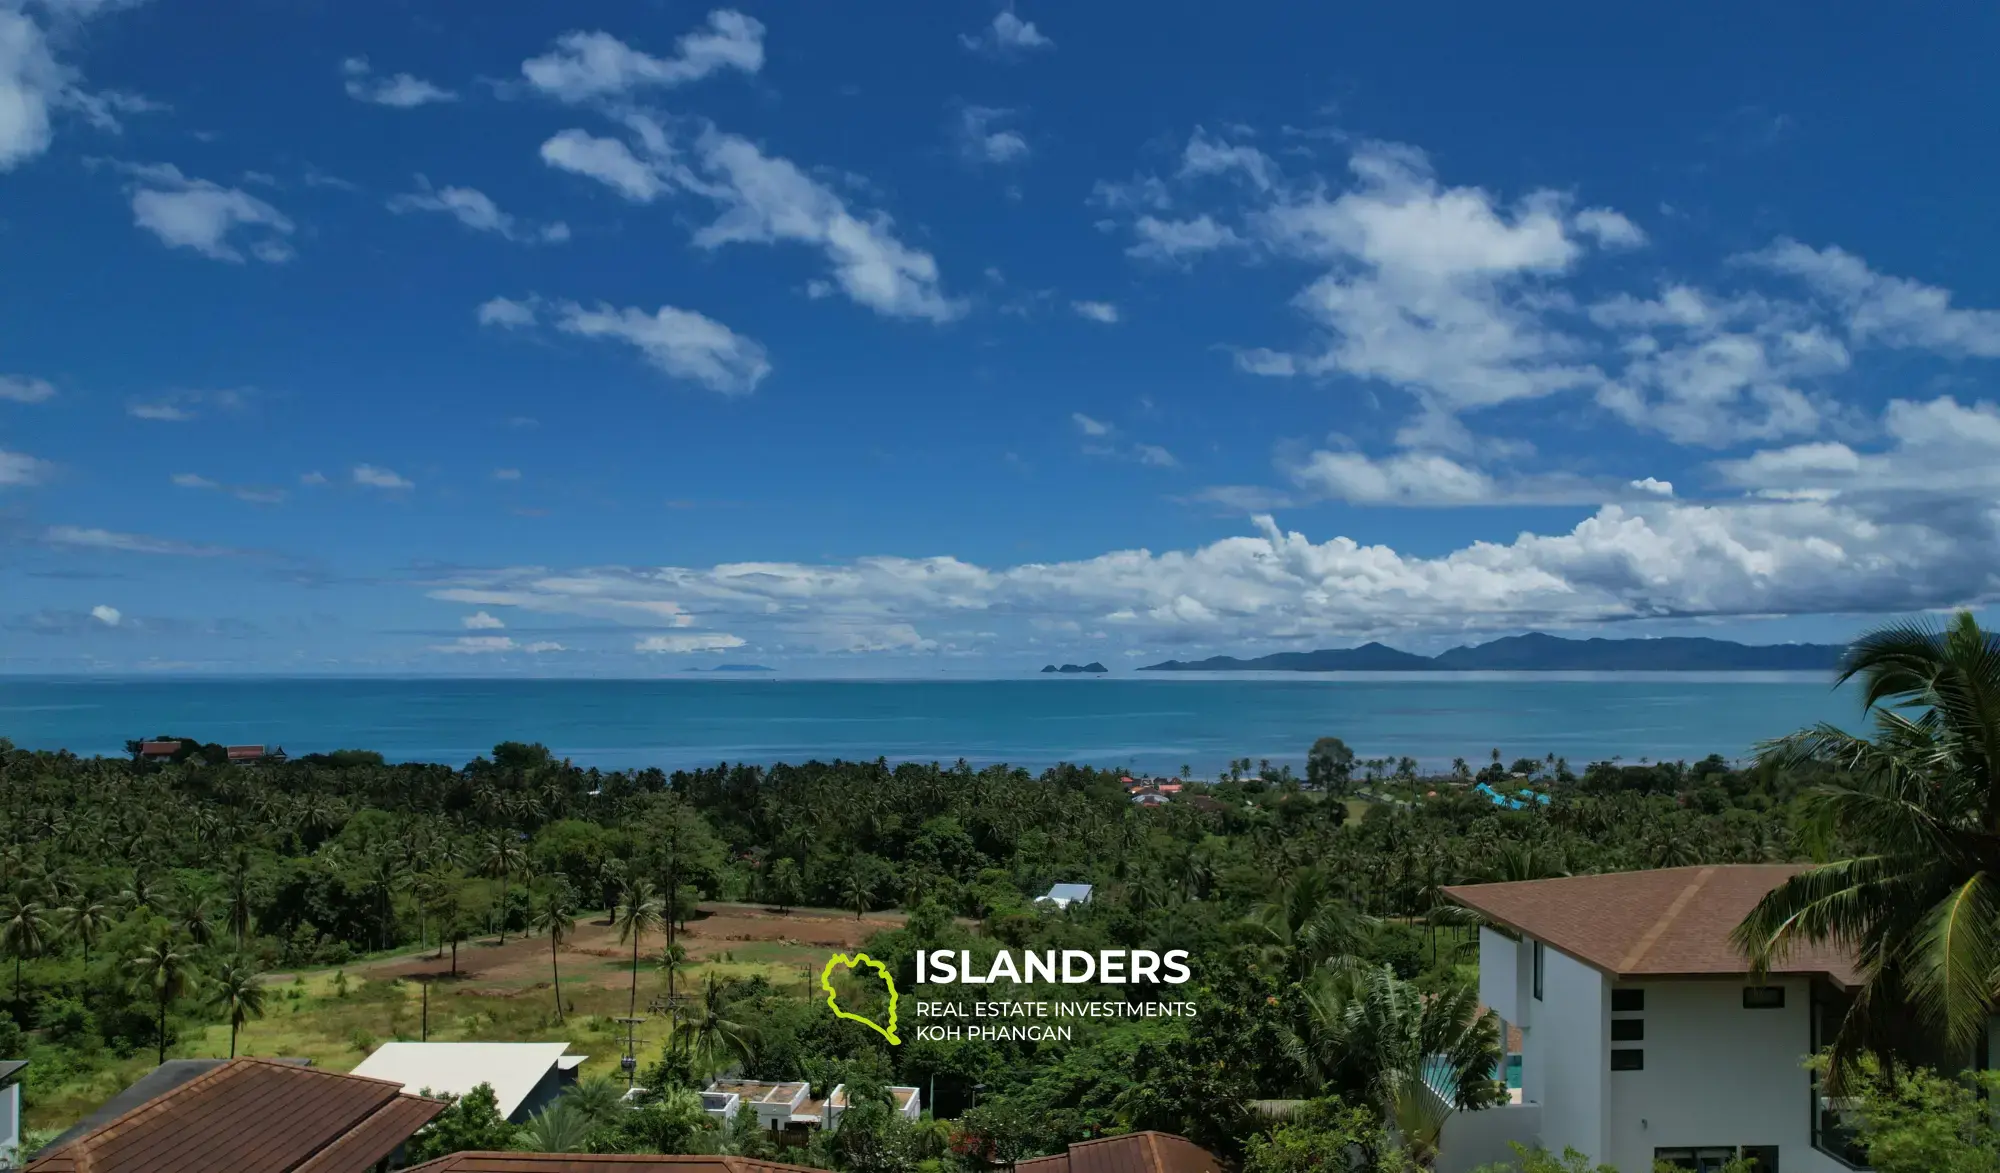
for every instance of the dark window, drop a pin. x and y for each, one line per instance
(1763, 997)
(1628, 1059)
(1762, 1158)
(1538, 971)
(1713, 1160)
(1628, 1030)
(1628, 1001)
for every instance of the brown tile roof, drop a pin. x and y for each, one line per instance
(253, 1116)
(159, 747)
(1669, 922)
(598, 1163)
(1132, 1152)
(238, 752)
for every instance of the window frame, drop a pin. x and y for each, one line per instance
(1540, 966)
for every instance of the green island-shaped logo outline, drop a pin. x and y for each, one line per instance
(826, 983)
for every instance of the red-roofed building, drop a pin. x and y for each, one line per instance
(158, 750)
(246, 753)
(1132, 1152)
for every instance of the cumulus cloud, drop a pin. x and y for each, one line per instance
(477, 211)
(1008, 36)
(477, 645)
(1177, 240)
(682, 343)
(108, 616)
(35, 87)
(690, 642)
(401, 90)
(1089, 426)
(22, 389)
(481, 621)
(1891, 311)
(764, 199)
(1096, 311)
(982, 137)
(589, 65)
(507, 313)
(380, 478)
(217, 222)
(1206, 154)
(17, 468)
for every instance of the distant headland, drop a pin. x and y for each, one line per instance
(1075, 670)
(1538, 652)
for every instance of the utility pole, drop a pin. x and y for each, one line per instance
(426, 984)
(630, 1062)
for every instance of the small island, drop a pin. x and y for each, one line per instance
(731, 668)
(1092, 668)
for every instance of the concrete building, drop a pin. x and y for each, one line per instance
(790, 1106)
(1642, 1034)
(525, 1077)
(10, 1110)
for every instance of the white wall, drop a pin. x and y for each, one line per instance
(1499, 974)
(10, 1120)
(1488, 1136)
(1565, 1056)
(1716, 1075)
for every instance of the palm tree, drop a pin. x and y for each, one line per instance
(557, 918)
(709, 1037)
(1372, 1037)
(238, 995)
(239, 896)
(857, 888)
(782, 884)
(674, 961)
(1917, 899)
(1308, 924)
(24, 932)
(598, 1099)
(501, 855)
(194, 916)
(86, 920)
(558, 1128)
(638, 911)
(165, 972)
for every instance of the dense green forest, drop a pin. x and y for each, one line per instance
(143, 898)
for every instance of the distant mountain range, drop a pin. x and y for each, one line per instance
(1073, 669)
(1537, 652)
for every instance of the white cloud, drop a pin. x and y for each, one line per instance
(764, 200)
(1609, 228)
(477, 211)
(537, 647)
(584, 66)
(506, 474)
(1654, 486)
(1938, 450)
(769, 199)
(399, 90)
(108, 616)
(1891, 311)
(312, 478)
(507, 314)
(682, 343)
(691, 642)
(1208, 155)
(1412, 478)
(1173, 240)
(606, 160)
(1154, 455)
(1096, 311)
(379, 478)
(188, 480)
(981, 138)
(18, 468)
(30, 82)
(22, 389)
(1007, 36)
(477, 645)
(1089, 426)
(481, 621)
(212, 220)
(101, 539)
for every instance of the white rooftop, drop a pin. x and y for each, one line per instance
(1064, 895)
(453, 1069)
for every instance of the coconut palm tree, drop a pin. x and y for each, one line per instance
(238, 995)
(24, 932)
(501, 855)
(164, 972)
(556, 916)
(709, 1037)
(1308, 924)
(673, 962)
(86, 920)
(1917, 896)
(638, 911)
(239, 896)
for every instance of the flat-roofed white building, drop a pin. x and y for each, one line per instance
(791, 1104)
(526, 1077)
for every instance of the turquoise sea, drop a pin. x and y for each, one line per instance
(1148, 723)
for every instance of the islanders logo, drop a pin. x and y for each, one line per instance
(833, 999)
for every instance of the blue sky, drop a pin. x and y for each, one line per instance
(950, 337)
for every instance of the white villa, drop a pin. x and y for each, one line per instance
(1064, 895)
(1642, 1035)
(791, 1105)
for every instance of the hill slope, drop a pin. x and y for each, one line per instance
(1539, 652)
